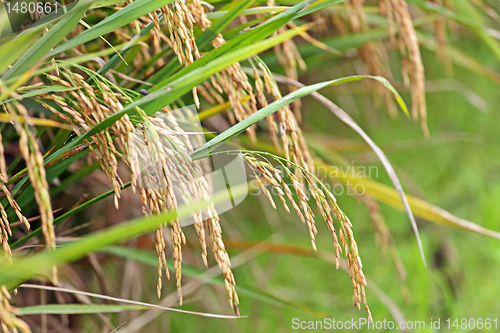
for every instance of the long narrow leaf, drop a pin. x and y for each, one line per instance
(40, 49)
(286, 100)
(119, 19)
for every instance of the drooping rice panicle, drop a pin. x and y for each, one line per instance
(326, 203)
(159, 151)
(86, 107)
(30, 152)
(5, 231)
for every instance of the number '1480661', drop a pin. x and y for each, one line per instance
(472, 323)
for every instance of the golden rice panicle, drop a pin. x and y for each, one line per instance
(354, 264)
(5, 190)
(164, 145)
(261, 98)
(165, 141)
(85, 108)
(326, 204)
(413, 69)
(272, 176)
(3, 165)
(198, 190)
(9, 323)
(14, 205)
(201, 187)
(162, 261)
(30, 152)
(180, 24)
(5, 230)
(178, 239)
(154, 200)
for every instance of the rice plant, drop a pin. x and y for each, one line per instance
(91, 100)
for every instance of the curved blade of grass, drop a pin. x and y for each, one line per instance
(119, 19)
(36, 92)
(11, 51)
(146, 305)
(419, 207)
(42, 46)
(276, 105)
(76, 309)
(341, 114)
